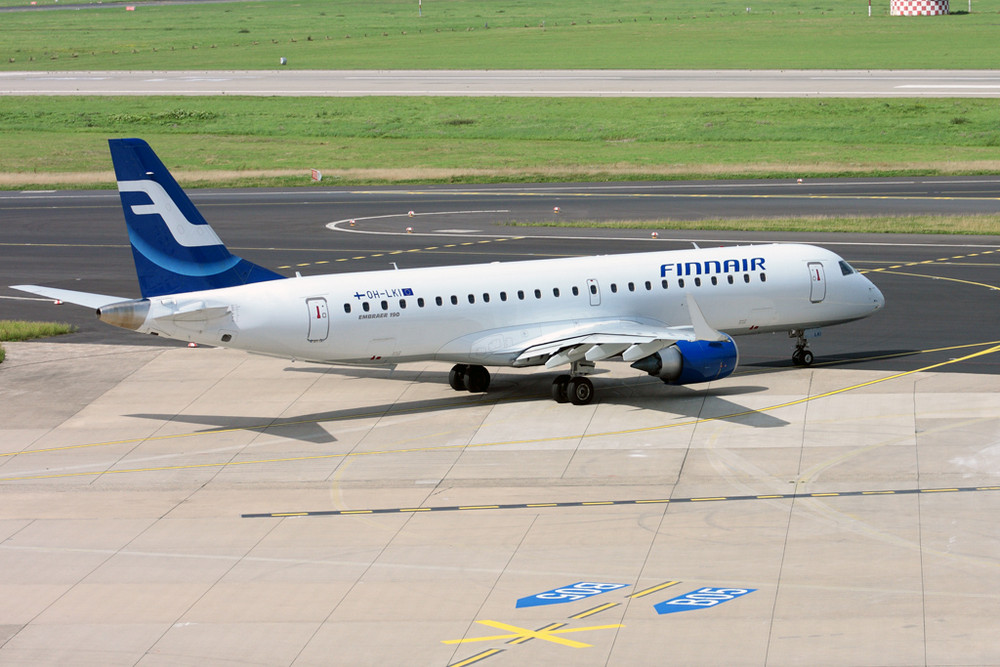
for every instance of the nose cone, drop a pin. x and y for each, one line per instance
(875, 294)
(879, 299)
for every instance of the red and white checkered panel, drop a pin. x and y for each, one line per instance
(918, 7)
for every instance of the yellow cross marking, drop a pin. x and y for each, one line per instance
(518, 635)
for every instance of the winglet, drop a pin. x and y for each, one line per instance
(702, 329)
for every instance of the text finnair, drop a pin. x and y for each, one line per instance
(712, 266)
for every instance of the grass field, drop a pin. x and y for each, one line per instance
(487, 34)
(49, 142)
(361, 140)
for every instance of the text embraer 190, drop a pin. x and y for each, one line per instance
(671, 314)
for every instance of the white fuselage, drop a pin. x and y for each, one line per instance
(481, 313)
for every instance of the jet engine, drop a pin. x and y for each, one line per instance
(690, 362)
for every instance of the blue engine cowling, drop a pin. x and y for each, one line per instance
(690, 362)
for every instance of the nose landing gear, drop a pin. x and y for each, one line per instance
(802, 356)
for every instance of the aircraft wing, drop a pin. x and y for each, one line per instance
(86, 299)
(594, 340)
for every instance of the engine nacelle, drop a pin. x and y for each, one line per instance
(690, 362)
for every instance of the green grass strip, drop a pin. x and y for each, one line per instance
(484, 34)
(276, 141)
(18, 330)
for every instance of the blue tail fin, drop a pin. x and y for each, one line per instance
(174, 249)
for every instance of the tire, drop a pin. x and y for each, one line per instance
(581, 391)
(797, 357)
(560, 389)
(807, 358)
(456, 378)
(477, 379)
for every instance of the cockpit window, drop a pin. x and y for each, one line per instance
(846, 268)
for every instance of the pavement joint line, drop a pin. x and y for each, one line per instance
(620, 503)
(478, 657)
(559, 438)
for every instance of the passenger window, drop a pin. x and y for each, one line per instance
(614, 288)
(697, 282)
(746, 277)
(555, 291)
(454, 300)
(365, 307)
(385, 305)
(649, 285)
(680, 283)
(715, 280)
(576, 291)
(486, 297)
(438, 300)
(631, 287)
(472, 299)
(763, 278)
(593, 289)
(347, 307)
(664, 283)
(402, 304)
(520, 294)
(730, 278)
(538, 294)
(503, 296)
(420, 302)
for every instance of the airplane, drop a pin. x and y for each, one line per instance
(671, 314)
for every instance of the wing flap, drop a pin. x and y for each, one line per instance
(606, 339)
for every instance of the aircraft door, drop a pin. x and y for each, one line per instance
(319, 320)
(817, 280)
(595, 292)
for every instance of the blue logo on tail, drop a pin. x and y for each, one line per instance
(174, 248)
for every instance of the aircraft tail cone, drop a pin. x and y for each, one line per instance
(125, 314)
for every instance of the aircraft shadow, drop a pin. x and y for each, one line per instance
(638, 392)
(306, 428)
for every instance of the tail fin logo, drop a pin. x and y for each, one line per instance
(183, 230)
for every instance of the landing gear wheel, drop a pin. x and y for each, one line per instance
(477, 379)
(560, 389)
(802, 357)
(456, 378)
(581, 391)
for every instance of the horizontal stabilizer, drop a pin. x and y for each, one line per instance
(86, 299)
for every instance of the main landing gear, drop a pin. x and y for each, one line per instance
(465, 377)
(802, 356)
(575, 388)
